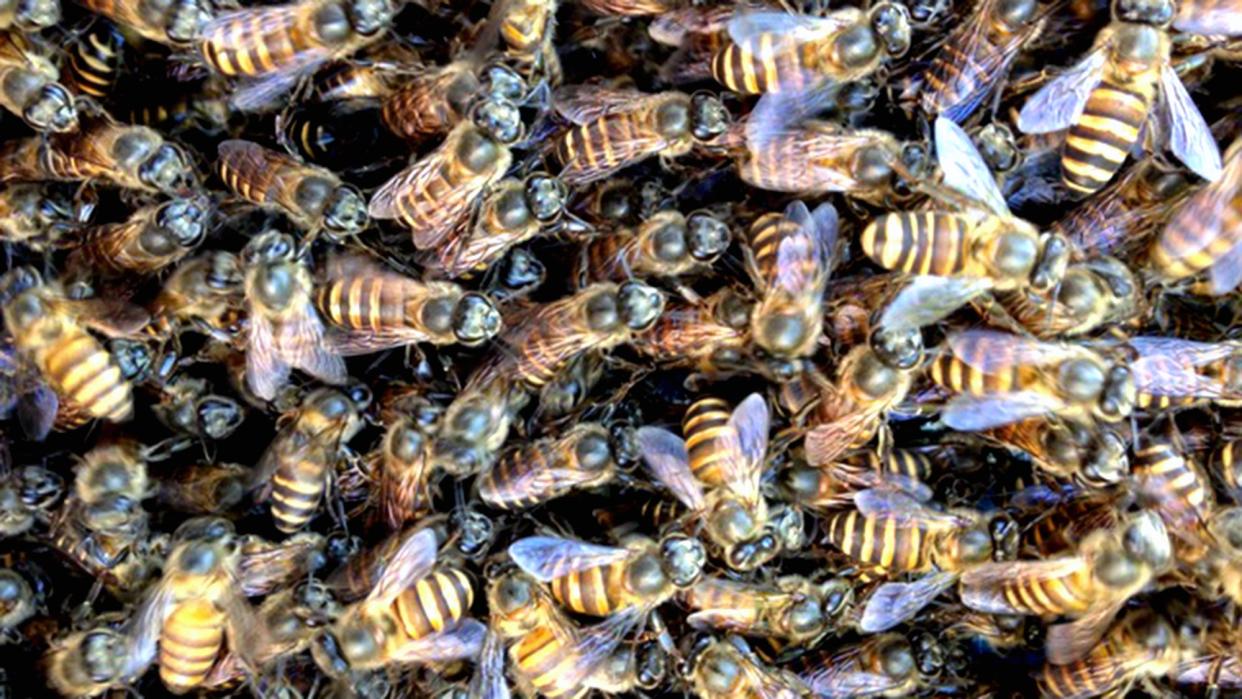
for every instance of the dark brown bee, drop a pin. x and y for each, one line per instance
(313, 198)
(272, 48)
(665, 245)
(29, 87)
(882, 665)
(188, 405)
(1093, 457)
(404, 470)
(153, 238)
(27, 497)
(87, 663)
(711, 335)
(435, 100)
(134, 157)
(616, 128)
(94, 61)
(371, 309)
(202, 489)
(549, 468)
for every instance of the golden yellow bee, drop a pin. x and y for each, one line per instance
(29, 87)
(1107, 99)
(527, 29)
(1142, 645)
(272, 48)
(1094, 293)
(284, 330)
(94, 61)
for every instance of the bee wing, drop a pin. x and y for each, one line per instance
(488, 680)
(111, 317)
(991, 351)
(893, 603)
(768, 33)
(778, 113)
(465, 640)
(412, 561)
(665, 455)
(247, 155)
(964, 169)
(263, 571)
(266, 369)
(625, 152)
(542, 480)
(844, 675)
(1190, 139)
(247, 636)
(967, 413)
(1167, 366)
(1059, 103)
(826, 442)
(902, 507)
(547, 558)
(597, 643)
(1213, 20)
(451, 213)
(144, 629)
(582, 104)
(671, 28)
(36, 410)
(983, 586)
(749, 426)
(926, 299)
(302, 345)
(728, 619)
(263, 25)
(802, 260)
(1070, 641)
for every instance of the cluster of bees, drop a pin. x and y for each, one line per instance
(621, 347)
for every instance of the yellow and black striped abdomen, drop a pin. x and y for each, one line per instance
(259, 42)
(902, 462)
(1118, 658)
(705, 426)
(593, 145)
(958, 376)
(1101, 138)
(189, 643)
(542, 657)
(363, 303)
(754, 68)
(956, 76)
(434, 603)
(1072, 593)
(509, 486)
(93, 62)
(919, 243)
(297, 486)
(85, 374)
(598, 591)
(1227, 466)
(880, 541)
(766, 235)
(1196, 239)
(1176, 488)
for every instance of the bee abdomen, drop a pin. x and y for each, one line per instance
(878, 541)
(434, 603)
(755, 68)
(363, 303)
(503, 486)
(189, 643)
(1100, 140)
(541, 657)
(85, 374)
(296, 490)
(918, 243)
(955, 77)
(1063, 595)
(704, 426)
(595, 591)
(93, 63)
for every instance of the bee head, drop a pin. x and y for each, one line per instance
(346, 212)
(891, 23)
(545, 196)
(709, 117)
(1054, 254)
(475, 319)
(1158, 13)
(33, 15)
(682, 559)
(52, 109)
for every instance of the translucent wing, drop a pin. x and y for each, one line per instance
(247, 636)
(144, 628)
(299, 340)
(894, 603)
(266, 370)
(983, 587)
(1214, 20)
(927, 299)
(905, 509)
(246, 155)
(780, 113)
(1169, 366)
(750, 422)
(623, 153)
(736, 620)
(583, 104)
(463, 641)
(665, 455)
(769, 33)
(263, 570)
(412, 560)
(826, 442)
(1190, 139)
(488, 680)
(597, 643)
(111, 317)
(36, 410)
(547, 558)
(1070, 641)
(846, 675)
(990, 351)
(802, 260)
(967, 413)
(1059, 103)
(964, 169)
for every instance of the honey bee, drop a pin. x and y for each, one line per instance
(1090, 584)
(913, 537)
(665, 245)
(1093, 457)
(271, 48)
(176, 25)
(729, 668)
(201, 292)
(30, 88)
(981, 241)
(404, 469)
(209, 488)
(475, 426)
(549, 468)
(437, 99)
(313, 198)
(94, 61)
(197, 604)
(883, 665)
(527, 29)
(41, 214)
(834, 485)
(87, 663)
(1106, 99)
(154, 237)
(188, 405)
(546, 338)
(133, 157)
(30, 16)
(1098, 292)
(1002, 378)
(49, 331)
(614, 128)
(604, 580)
(511, 213)
(371, 308)
(776, 52)
(294, 470)
(1176, 488)
(284, 331)
(1141, 646)
(711, 335)
(415, 613)
(109, 487)
(976, 56)
(1170, 372)
(791, 255)
(436, 195)
(28, 495)
(793, 609)
(1202, 236)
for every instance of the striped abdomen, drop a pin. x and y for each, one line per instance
(919, 243)
(908, 463)
(1124, 654)
(367, 303)
(522, 479)
(597, 591)
(434, 603)
(958, 79)
(766, 235)
(705, 427)
(1099, 141)
(541, 657)
(260, 41)
(1227, 466)
(1195, 239)
(958, 376)
(687, 331)
(881, 541)
(85, 374)
(451, 189)
(297, 486)
(1072, 593)
(589, 151)
(93, 63)
(754, 68)
(1172, 486)
(189, 643)
(544, 349)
